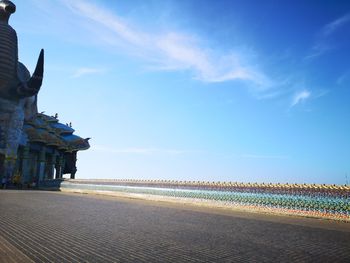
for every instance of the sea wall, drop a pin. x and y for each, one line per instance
(321, 201)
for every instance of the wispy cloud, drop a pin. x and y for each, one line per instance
(300, 97)
(138, 150)
(173, 50)
(105, 18)
(319, 49)
(87, 71)
(259, 156)
(323, 45)
(319, 93)
(148, 151)
(344, 78)
(335, 25)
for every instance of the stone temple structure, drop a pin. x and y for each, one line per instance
(32, 145)
(47, 150)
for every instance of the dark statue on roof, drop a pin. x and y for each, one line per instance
(22, 129)
(18, 89)
(15, 80)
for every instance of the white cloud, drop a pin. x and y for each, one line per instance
(172, 50)
(344, 78)
(335, 25)
(259, 156)
(300, 97)
(87, 71)
(322, 44)
(106, 19)
(319, 93)
(137, 151)
(319, 49)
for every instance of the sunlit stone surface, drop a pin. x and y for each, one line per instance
(56, 227)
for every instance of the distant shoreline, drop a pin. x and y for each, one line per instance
(179, 183)
(200, 202)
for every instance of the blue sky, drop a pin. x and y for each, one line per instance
(252, 91)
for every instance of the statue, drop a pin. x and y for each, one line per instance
(18, 90)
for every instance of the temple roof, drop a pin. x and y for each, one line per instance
(49, 131)
(62, 129)
(76, 142)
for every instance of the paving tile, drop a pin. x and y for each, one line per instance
(53, 227)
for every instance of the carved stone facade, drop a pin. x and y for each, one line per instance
(32, 145)
(47, 150)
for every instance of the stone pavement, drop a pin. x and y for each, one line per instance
(10, 254)
(41, 226)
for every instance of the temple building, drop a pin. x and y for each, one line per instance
(34, 147)
(47, 150)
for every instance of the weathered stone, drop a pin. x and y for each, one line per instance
(11, 124)
(18, 89)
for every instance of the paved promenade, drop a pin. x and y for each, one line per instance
(59, 227)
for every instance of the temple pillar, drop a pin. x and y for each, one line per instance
(51, 166)
(74, 168)
(26, 165)
(63, 164)
(59, 166)
(34, 168)
(41, 164)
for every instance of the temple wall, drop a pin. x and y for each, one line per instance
(11, 124)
